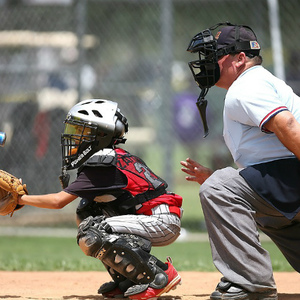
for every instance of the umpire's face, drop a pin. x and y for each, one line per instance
(231, 66)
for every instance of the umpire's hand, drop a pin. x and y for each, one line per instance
(195, 171)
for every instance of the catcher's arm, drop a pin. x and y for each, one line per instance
(51, 201)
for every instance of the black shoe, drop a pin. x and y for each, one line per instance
(114, 289)
(229, 291)
(110, 290)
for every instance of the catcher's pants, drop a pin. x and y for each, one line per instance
(233, 211)
(161, 228)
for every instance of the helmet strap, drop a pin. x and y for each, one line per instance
(120, 140)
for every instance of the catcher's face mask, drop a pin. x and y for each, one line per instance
(77, 142)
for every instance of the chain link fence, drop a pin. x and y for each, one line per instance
(55, 53)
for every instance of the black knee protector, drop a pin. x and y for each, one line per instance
(91, 237)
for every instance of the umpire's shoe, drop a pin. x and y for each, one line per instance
(226, 290)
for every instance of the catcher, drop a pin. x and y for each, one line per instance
(124, 209)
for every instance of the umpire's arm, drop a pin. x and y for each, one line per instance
(287, 129)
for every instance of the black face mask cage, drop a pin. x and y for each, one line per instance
(205, 70)
(75, 145)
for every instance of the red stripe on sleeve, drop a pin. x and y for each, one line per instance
(271, 114)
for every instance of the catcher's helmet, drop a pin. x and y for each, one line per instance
(214, 42)
(91, 125)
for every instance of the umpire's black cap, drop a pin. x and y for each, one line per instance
(237, 38)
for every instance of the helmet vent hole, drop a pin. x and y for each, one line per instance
(84, 112)
(97, 113)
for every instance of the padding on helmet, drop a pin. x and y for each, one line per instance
(91, 125)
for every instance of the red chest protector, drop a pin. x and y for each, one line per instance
(144, 189)
(148, 190)
(140, 177)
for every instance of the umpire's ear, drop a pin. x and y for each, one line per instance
(241, 59)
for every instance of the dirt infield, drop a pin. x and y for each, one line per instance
(84, 285)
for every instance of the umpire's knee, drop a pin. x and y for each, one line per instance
(209, 189)
(215, 188)
(206, 189)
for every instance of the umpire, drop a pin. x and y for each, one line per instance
(261, 129)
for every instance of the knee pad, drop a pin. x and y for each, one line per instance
(90, 236)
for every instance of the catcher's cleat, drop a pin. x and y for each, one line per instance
(173, 280)
(115, 293)
(229, 291)
(114, 289)
(110, 290)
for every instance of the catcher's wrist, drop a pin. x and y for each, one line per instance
(20, 201)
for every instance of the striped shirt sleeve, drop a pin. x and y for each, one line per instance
(269, 116)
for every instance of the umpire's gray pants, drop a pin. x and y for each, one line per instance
(232, 212)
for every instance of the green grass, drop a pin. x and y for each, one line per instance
(63, 254)
(193, 218)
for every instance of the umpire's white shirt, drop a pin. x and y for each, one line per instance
(250, 102)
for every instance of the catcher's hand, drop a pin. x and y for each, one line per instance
(10, 188)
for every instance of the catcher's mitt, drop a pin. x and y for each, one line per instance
(10, 188)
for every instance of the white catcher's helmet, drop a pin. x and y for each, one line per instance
(91, 125)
